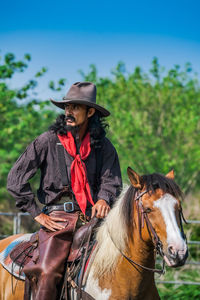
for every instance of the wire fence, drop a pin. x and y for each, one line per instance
(17, 218)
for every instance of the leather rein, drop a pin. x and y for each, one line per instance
(143, 216)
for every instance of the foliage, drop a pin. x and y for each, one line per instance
(193, 234)
(180, 292)
(155, 119)
(183, 292)
(23, 117)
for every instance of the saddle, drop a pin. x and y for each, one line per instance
(23, 252)
(80, 239)
(81, 248)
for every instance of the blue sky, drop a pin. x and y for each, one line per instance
(66, 36)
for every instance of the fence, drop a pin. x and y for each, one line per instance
(16, 221)
(17, 229)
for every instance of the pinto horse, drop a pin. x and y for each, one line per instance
(147, 218)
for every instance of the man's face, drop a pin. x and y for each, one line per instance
(77, 114)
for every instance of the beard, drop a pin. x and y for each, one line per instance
(73, 129)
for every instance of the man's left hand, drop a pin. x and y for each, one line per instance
(100, 209)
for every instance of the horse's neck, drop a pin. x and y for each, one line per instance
(123, 280)
(137, 282)
(141, 252)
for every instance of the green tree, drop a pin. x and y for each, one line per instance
(155, 119)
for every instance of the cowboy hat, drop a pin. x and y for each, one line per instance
(82, 93)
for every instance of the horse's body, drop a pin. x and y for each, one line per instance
(125, 232)
(6, 281)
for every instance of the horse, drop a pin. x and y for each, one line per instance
(146, 219)
(7, 280)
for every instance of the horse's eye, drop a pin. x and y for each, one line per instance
(147, 210)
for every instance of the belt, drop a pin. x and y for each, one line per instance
(67, 207)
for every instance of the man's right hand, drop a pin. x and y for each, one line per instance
(50, 222)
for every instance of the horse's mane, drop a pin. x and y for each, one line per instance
(113, 225)
(119, 222)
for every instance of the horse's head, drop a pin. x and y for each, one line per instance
(157, 198)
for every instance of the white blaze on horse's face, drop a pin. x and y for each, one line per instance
(176, 245)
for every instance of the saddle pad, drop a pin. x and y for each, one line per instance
(6, 261)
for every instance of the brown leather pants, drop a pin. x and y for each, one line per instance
(45, 270)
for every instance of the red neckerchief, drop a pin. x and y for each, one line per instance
(79, 182)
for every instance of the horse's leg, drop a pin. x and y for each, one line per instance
(6, 279)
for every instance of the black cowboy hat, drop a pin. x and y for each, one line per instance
(82, 93)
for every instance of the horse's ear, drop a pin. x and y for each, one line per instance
(135, 179)
(170, 174)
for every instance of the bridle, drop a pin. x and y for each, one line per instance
(143, 216)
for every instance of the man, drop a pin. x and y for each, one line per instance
(76, 184)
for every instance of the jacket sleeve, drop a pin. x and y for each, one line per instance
(110, 181)
(24, 169)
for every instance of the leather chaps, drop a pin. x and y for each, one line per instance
(45, 270)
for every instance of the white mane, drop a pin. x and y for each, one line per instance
(107, 255)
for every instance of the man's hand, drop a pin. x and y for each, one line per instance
(50, 222)
(100, 209)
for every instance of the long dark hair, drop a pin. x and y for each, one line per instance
(96, 126)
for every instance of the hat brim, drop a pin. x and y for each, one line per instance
(61, 104)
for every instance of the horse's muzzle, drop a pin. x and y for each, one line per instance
(176, 258)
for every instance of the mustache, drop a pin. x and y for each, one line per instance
(70, 118)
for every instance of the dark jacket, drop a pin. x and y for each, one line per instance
(42, 154)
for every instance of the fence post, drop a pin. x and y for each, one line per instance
(15, 221)
(19, 223)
